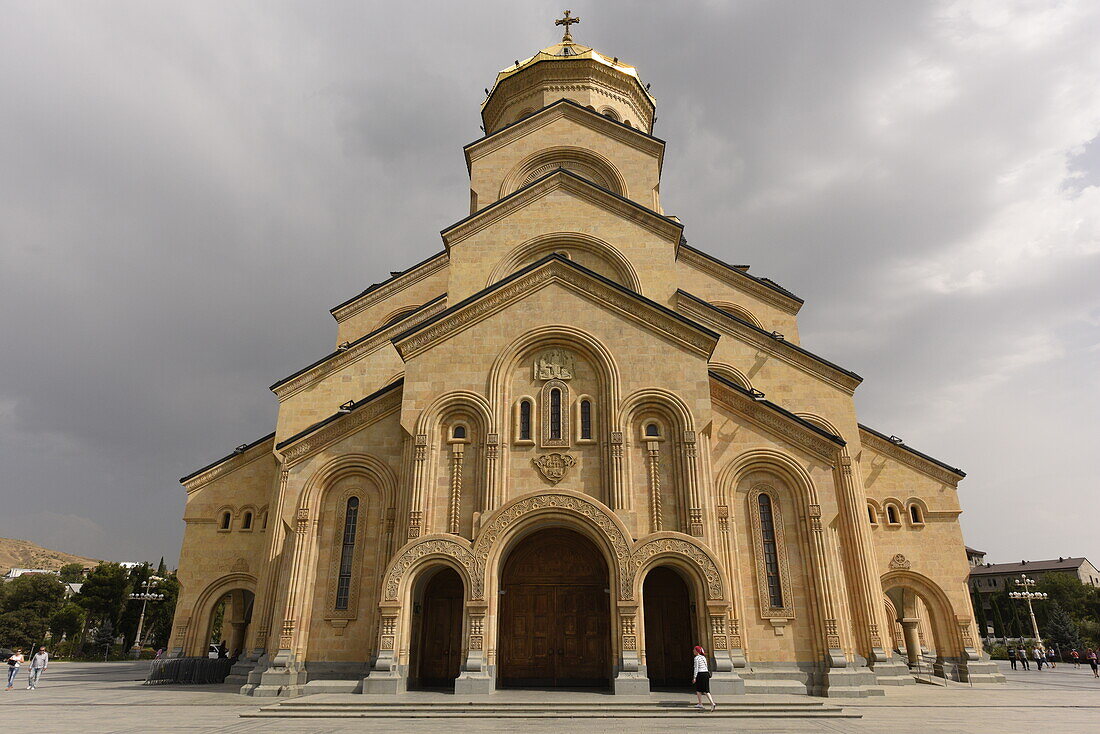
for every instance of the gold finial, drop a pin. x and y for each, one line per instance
(567, 21)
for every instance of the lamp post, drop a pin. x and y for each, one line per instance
(146, 596)
(1027, 585)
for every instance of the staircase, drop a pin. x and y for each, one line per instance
(587, 706)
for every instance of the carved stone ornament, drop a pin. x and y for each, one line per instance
(555, 364)
(554, 466)
(899, 561)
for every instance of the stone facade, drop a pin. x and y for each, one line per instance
(569, 367)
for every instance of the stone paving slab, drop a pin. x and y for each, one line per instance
(108, 698)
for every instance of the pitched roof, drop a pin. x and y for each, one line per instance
(741, 270)
(757, 398)
(236, 452)
(954, 470)
(355, 405)
(1057, 564)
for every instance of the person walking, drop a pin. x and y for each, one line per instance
(1052, 658)
(1038, 655)
(14, 661)
(1012, 657)
(1091, 656)
(700, 677)
(39, 662)
(1076, 658)
(1022, 653)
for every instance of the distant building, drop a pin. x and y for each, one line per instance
(17, 572)
(990, 578)
(72, 589)
(975, 557)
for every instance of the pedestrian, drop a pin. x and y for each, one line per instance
(1023, 658)
(1038, 655)
(222, 650)
(700, 676)
(1012, 657)
(1052, 659)
(1091, 655)
(39, 662)
(1076, 658)
(14, 661)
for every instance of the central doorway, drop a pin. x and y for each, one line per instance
(668, 629)
(441, 631)
(555, 626)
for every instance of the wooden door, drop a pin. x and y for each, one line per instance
(668, 629)
(555, 618)
(441, 630)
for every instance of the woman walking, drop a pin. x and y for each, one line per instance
(1091, 655)
(700, 676)
(14, 662)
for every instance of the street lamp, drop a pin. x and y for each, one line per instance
(146, 596)
(1027, 585)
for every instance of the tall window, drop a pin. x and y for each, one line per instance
(347, 553)
(891, 515)
(525, 420)
(226, 519)
(871, 515)
(555, 414)
(247, 523)
(586, 420)
(771, 551)
(914, 513)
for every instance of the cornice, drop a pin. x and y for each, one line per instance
(775, 419)
(553, 181)
(912, 458)
(381, 291)
(569, 110)
(808, 362)
(369, 410)
(555, 269)
(251, 452)
(356, 350)
(774, 295)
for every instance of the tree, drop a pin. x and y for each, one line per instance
(71, 573)
(28, 603)
(162, 569)
(22, 628)
(1061, 629)
(160, 614)
(104, 593)
(131, 612)
(67, 622)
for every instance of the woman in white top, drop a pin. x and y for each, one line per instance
(700, 676)
(13, 667)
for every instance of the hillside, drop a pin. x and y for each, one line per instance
(16, 553)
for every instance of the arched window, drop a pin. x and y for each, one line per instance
(263, 521)
(872, 516)
(227, 518)
(246, 523)
(586, 420)
(347, 553)
(771, 551)
(916, 515)
(652, 430)
(459, 433)
(525, 420)
(555, 414)
(892, 515)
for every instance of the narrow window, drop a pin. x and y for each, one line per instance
(871, 515)
(347, 553)
(555, 414)
(586, 419)
(652, 431)
(525, 420)
(247, 523)
(771, 552)
(459, 432)
(914, 513)
(226, 517)
(263, 521)
(891, 515)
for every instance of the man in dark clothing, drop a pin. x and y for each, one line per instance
(1012, 657)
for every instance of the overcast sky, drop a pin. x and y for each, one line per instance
(186, 188)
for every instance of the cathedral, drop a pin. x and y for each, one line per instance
(569, 447)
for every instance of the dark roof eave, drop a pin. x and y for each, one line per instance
(953, 469)
(766, 283)
(539, 263)
(336, 416)
(757, 329)
(540, 179)
(208, 467)
(779, 409)
(387, 281)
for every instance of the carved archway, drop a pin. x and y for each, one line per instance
(599, 256)
(584, 162)
(197, 633)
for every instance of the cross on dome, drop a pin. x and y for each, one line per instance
(567, 21)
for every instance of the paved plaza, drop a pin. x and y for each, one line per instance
(109, 697)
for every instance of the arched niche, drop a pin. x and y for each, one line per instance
(585, 163)
(585, 250)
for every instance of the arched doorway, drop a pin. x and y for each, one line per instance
(229, 621)
(555, 621)
(439, 653)
(923, 617)
(669, 626)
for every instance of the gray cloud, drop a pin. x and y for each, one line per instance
(189, 188)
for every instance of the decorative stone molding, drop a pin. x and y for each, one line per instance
(398, 283)
(554, 467)
(630, 306)
(767, 611)
(556, 363)
(334, 548)
(739, 280)
(342, 426)
(774, 422)
(905, 455)
(646, 549)
(263, 448)
(899, 562)
(458, 550)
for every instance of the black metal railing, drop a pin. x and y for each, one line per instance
(188, 670)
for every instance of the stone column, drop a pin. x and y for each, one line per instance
(387, 675)
(491, 499)
(691, 479)
(475, 677)
(910, 630)
(269, 574)
(620, 500)
(653, 466)
(420, 478)
(631, 679)
(724, 678)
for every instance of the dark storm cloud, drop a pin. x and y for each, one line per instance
(190, 186)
